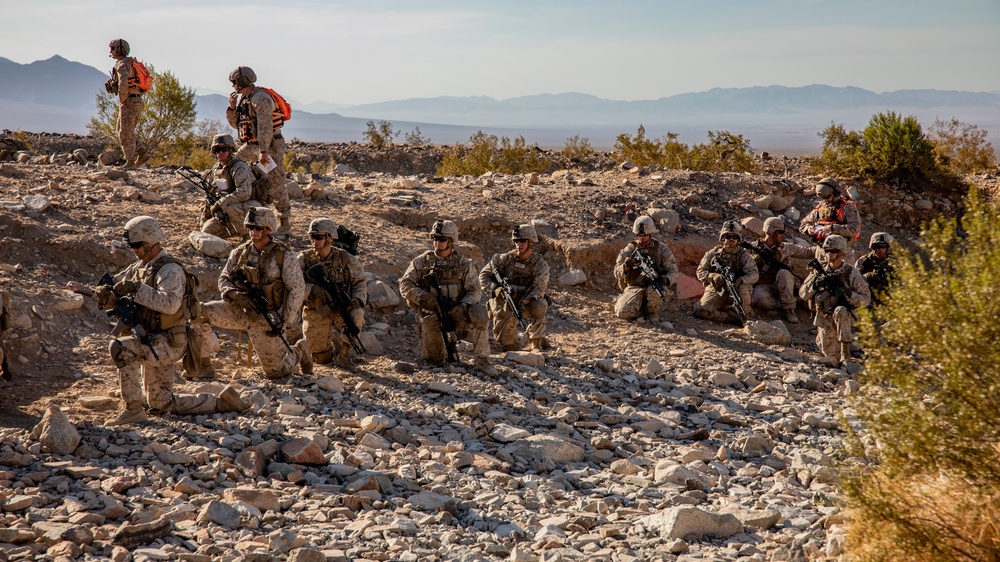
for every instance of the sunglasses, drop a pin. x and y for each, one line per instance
(221, 149)
(730, 237)
(318, 236)
(880, 246)
(832, 251)
(254, 227)
(779, 231)
(441, 238)
(520, 240)
(135, 245)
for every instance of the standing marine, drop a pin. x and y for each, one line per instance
(526, 275)
(253, 114)
(124, 83)
(641, 288)
(442, 287)
(334, 277)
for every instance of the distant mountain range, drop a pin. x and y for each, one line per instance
(57, 95)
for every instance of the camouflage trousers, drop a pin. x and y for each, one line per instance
(250, 154)
(636, 301)
(779, 294)
(235, 213)
(714, 305)
(128, 118)
(144, 380)
(325, 333)
(274, 358)
(833, 330)
(470, 328)
(505, 324)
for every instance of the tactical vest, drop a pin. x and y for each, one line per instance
(767, 271)
(450, 275)
(834, 214)
(634, 276)
(132, 82)
(520, 275)
(246, 118)
(336, 267)
(154, 321)
(226, 173)
(730, 261)
(274, 290)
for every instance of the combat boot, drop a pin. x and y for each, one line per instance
(790, 316)
(229, 400)
(482, 365)
(845, 352)
(142, 157)
(305, 356)
(284, 226)
(323, 357)
(128, 415)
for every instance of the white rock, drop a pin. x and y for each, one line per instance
(688, 523)
(573, 277)
(56, 433)
(210, 245)
(506, 433)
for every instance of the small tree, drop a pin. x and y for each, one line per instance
(577, 148)
(486, 153)
(416, 138)
(724, 152)
(961, 147)
(167, 116)
(379, 135)
(931, 477)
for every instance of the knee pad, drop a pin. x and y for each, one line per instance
(118, 352)
(478, 315)
(537, 308)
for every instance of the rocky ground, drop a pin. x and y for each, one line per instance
(627, 441)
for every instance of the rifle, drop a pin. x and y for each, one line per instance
(833, 285)
(649, 272)
(767, 255)
(342, 301)
(729, 279)
(212, 196)
(260, 305)
(449, 335)
(508, 296)
(127, 313)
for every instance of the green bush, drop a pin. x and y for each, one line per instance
(379, 135)
(724, 152)
(961, 147)
(486, 153)
(167, 118)
(892, 149)
(416, 138)
(928, 401)
(577, 148)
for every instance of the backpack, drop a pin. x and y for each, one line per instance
(142, 75)
(282, 110)
(261, 186)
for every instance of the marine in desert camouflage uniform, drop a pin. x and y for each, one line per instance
(164, 293)
(834, 318)
(877, 266)
(835, 214)
(274, 269)
(527, 274)
(460, 290)
(715, 304)
(251, 113)
(125, 84)
(776, 286)
(638, 296)
(322, 321)
(234, 179)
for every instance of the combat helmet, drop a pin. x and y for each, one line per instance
(731, 227)
(223, 141)
(445, 228)
(524, 232)
(242, 76)
(323, 226)
(142, 229)
(644, 225)
(835, 242)
(827, 187)
(119, 48)
(773, 224)
(261, 216)
(880, 239)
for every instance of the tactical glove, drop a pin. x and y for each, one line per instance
(242, 301)
(105, 298)
(497, 291)
(457, 312)
(427, 301)
(127, 287)
(631, 263)
(716, 281)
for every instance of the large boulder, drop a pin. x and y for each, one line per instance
(210, 245)
(56, 433)
(691, 523)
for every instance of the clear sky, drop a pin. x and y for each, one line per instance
(376, 50)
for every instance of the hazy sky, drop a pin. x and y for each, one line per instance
(377, 50)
